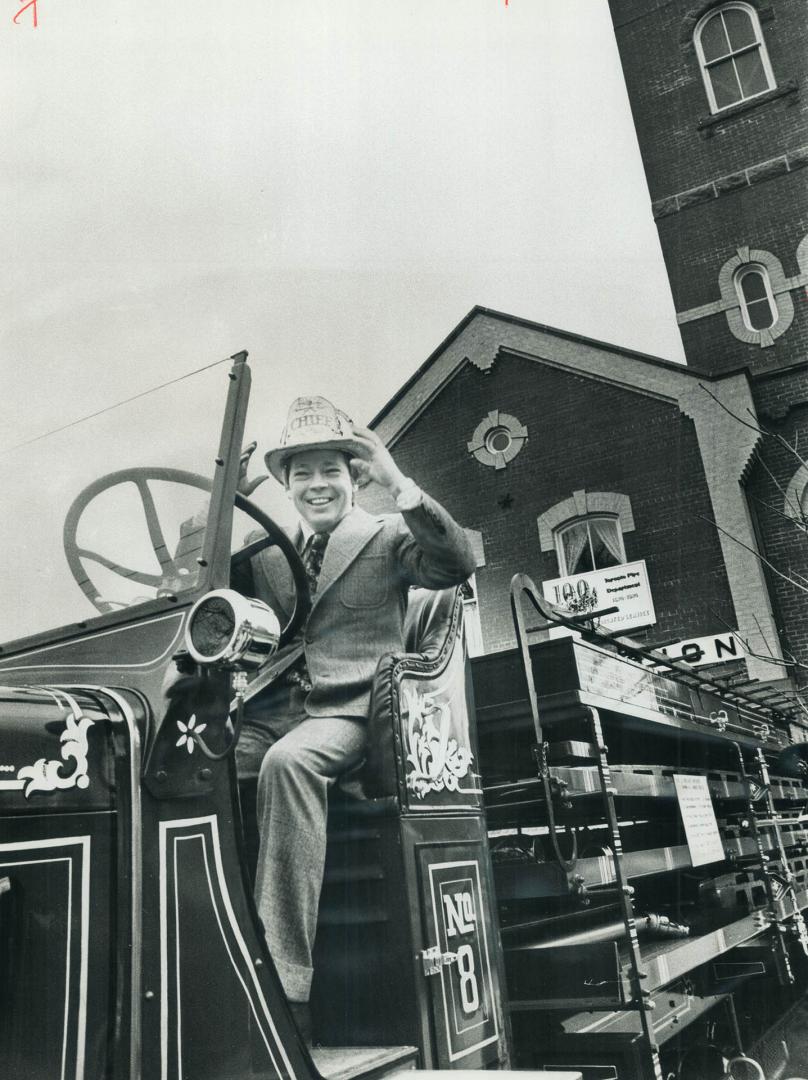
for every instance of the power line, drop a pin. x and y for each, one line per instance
(117, 405)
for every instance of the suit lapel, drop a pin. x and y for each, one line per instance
(347, 540)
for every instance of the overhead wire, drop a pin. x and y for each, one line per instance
(116, 405)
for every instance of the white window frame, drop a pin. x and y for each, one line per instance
(774, 312)
(760, 44)
(734, 306)
(559, 543)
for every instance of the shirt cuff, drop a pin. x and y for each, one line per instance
(409, 497)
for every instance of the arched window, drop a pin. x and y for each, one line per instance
(732, 53)
(593, 543)
(758, 305)
(755, 296)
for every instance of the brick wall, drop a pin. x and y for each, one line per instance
(782, 406)
(668, 98)
(775, 394)
(583, 433)
(698, 241)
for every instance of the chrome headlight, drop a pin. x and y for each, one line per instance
(227, 628)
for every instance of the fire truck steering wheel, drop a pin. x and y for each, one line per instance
(170, 568)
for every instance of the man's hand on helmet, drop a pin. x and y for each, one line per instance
(376, 463)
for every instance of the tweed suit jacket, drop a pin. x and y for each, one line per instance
(357, 614)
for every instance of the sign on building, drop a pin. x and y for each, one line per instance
(624, 587)
(713, 649)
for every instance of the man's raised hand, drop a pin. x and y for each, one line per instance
(376, 463)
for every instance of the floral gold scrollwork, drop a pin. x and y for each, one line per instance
(436, 761)
(46, 775)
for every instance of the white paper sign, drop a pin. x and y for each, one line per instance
(698, 817)
(624, 587)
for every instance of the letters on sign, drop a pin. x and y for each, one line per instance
(712, 649)
(460, 916)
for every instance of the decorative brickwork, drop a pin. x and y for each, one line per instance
(497, 439)
(581, 504)
(724, 185)
(729, 303)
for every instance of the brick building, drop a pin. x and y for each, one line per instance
(528, 434)
(566, 455)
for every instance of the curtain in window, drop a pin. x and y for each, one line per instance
(608, 532)
(574, 540)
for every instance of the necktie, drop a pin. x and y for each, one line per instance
(298, 673)
(313, 559)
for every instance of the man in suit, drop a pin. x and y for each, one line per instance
(308, 726)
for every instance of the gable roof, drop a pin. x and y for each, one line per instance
(483, 334)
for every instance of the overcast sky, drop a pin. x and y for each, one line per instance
(331, 184)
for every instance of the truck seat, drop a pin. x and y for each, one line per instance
(432, 626)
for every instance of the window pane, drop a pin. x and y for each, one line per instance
(739, 27)
(606, 545)
(575, 543)
(725, 83)
(584, 564)
(751, 73)
(760, 314)
(498, 440)
(713, 39)
(753, 286)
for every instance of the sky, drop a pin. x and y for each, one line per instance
(330, 184)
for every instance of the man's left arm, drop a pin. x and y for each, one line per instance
(433, 550)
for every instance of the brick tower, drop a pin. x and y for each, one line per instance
(720, 104)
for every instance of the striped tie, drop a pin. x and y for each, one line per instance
(298, 673)
(313, 559)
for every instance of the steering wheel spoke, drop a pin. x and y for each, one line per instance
(158, 543)
(175, 566)
(131, 575)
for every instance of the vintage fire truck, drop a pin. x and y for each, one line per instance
(576, 856)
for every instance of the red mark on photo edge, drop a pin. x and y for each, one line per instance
(30, 4)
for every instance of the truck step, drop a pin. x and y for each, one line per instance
(365, 1062)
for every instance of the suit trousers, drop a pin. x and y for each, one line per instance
(296, 758)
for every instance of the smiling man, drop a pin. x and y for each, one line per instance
(309, 725)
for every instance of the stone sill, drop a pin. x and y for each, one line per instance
(707, 122)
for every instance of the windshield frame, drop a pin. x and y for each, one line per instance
(215, 558)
